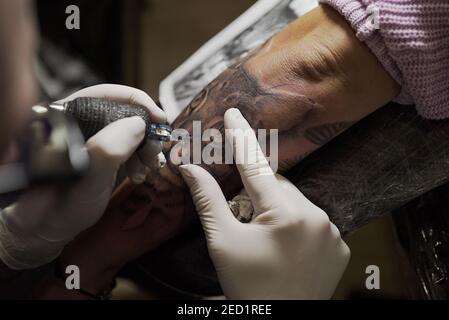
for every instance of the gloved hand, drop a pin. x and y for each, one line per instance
(290, 250)
(35, 229)
(140, 163)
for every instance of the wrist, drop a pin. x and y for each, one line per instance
(360, 72)
(320, 56)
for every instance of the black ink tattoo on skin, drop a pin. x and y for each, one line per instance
(265, 106)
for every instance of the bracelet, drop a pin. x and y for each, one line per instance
(105, 294)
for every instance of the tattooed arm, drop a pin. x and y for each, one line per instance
(311, 82)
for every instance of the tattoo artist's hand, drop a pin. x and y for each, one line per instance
(144, 160)
(289, 251)
(35, 229)
(311, 81)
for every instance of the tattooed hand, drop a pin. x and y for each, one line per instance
(311, 82)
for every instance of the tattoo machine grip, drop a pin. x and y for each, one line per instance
(93, 114)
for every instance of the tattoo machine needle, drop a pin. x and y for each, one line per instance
(93, 114)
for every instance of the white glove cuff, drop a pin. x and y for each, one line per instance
(19, 253)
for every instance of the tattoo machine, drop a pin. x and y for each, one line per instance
(51, 148)
(93, 114)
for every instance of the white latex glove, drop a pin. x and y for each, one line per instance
(290, 250)
(143, 161)
(35, 229)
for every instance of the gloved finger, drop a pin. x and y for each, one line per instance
(149, 151)
(114, 144)
(257, 176)
(110, 148)
(123, 94)
(209, 200)
(136, 170)
(21, 246)
(39, 201)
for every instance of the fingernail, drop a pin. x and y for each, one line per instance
(185, 171)
(161, 160)
(138, 178)
(234, 112)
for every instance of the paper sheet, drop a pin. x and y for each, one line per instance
(259, 23)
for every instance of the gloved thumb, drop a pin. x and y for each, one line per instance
(210, 203)
(108, 150)
(114, 144)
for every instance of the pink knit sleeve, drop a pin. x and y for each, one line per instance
(411, 40)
